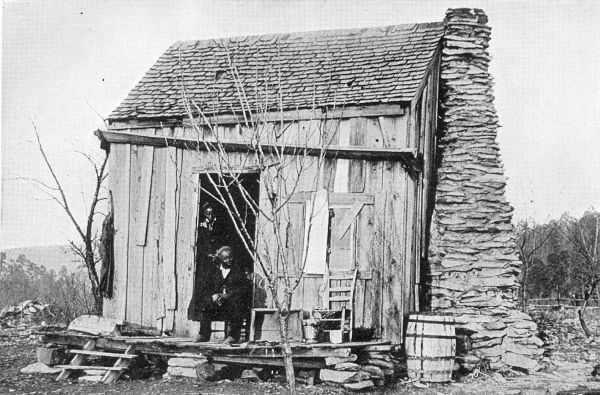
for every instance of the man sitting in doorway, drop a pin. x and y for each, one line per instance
(227, 294)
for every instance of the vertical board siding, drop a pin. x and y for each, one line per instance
(358, 138)
(118, 173)
(370, 249)
(411, 240)
(293, 228)
(394, 131)
(143, 204)
(135, 273)
(266, 246)
(332, 137)
(361, 134)
(186, 241)
(363, 243)
(427, 190)
(402, 228)
(340, 246)
(342, 166)
(169, 237)
(153, 257)
(394, 260)
(378, 254)
(149, 244)
(312, 299)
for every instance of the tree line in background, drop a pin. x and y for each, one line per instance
(67, 293)
(561, 260)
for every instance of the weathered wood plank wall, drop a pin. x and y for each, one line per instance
(118, 166)
(155, 298)
(154, 283)
(133, 312)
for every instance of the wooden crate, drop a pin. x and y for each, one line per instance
(264, 325)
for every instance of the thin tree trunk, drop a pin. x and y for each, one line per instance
(524, 287)
(287, 353)
(98, 299)
(98, 303)
(581, 311)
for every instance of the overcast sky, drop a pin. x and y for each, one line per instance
(63, 61)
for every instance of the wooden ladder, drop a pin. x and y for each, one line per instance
(112, 372)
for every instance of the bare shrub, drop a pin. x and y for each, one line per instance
(67, 294)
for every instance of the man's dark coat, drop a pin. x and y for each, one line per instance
(232, 309)
(206, 245)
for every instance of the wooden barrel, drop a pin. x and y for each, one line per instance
(430, 347)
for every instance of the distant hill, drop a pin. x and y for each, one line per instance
(51, 257)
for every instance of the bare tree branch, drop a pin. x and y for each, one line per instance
(63, 198)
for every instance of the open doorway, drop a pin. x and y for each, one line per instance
(222, 287)
(225, 231)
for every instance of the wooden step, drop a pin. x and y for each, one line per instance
(123, 363)
(77, 360)
(102, 354)
(94, 367)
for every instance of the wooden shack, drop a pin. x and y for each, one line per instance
(375, 90)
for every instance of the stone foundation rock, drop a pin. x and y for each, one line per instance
(373, 368)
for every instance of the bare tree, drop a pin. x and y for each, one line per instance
(532, 238)
(87, 245)
(583, 234)
(283, 156)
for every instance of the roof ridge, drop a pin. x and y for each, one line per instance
(304, 34)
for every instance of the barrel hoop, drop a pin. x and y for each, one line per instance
(429, 371)
(431, 336)
(450, 357)
(431, 322)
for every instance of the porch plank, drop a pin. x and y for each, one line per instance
(89, 367)
(252, 360)
(102, 354)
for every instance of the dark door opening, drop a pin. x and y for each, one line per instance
(222, 289)
(225, 229)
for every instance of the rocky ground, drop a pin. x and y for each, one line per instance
(569, 362)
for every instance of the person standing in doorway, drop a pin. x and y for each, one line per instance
(209, 238)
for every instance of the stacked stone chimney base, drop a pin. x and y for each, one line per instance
(473, 256)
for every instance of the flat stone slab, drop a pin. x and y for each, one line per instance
(360, 385)
(39, 367)
(178, 371)
(187, 362)
(348, 366)
(96, 325)
(335, 376)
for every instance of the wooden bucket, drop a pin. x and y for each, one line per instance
(430, 347)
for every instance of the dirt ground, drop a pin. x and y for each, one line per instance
(569, 362)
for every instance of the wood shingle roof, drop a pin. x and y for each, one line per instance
(286, 71)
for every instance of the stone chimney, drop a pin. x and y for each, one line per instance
(473, 255)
